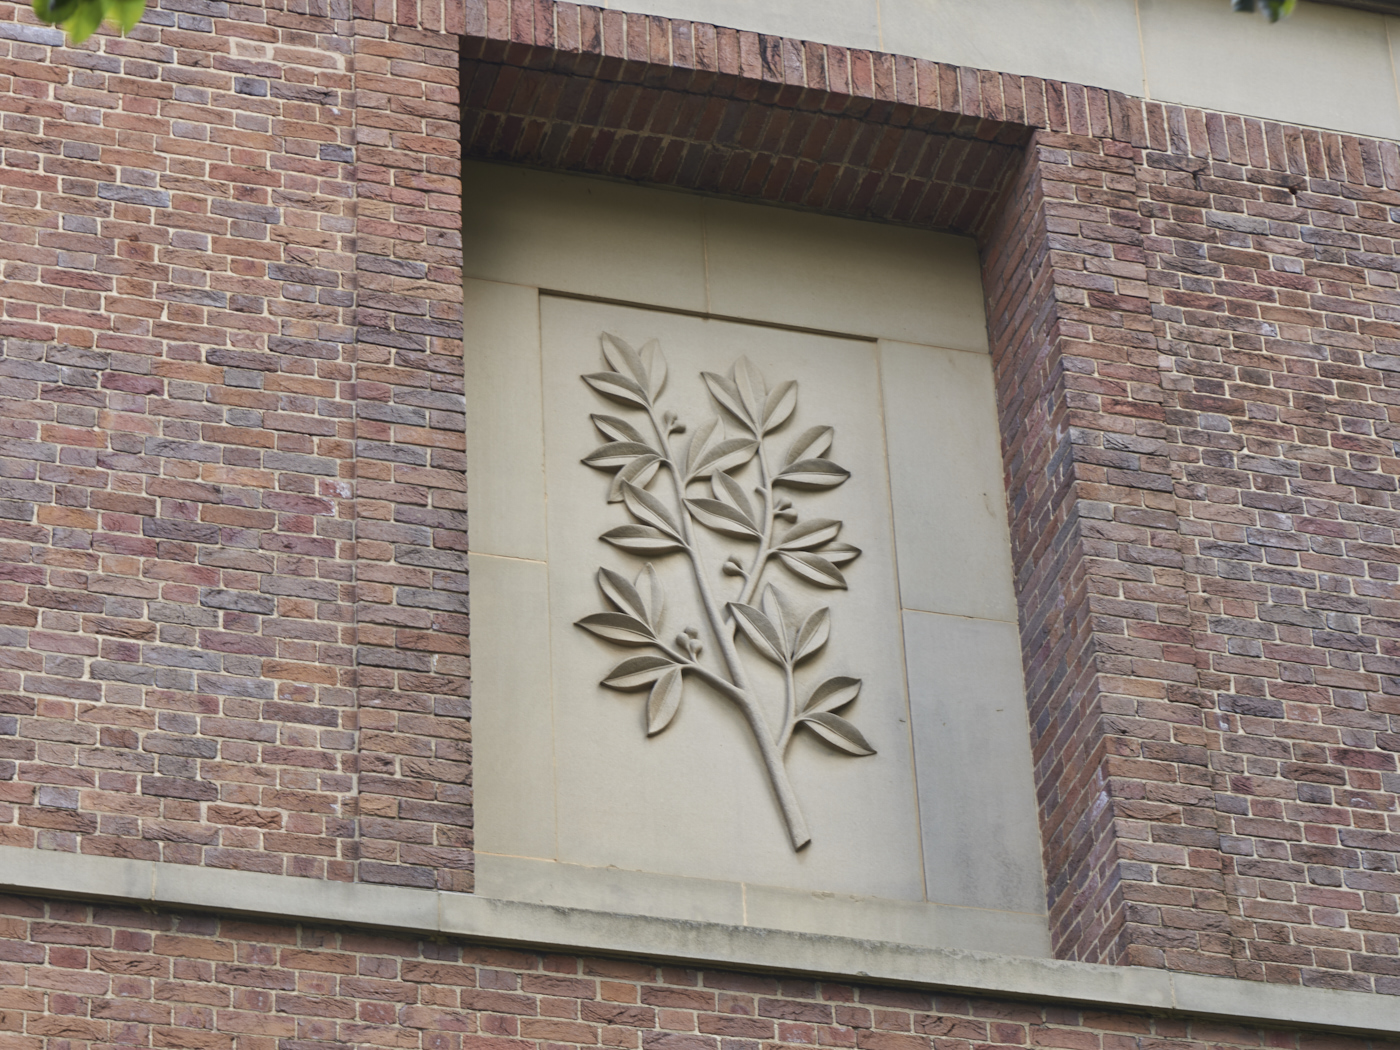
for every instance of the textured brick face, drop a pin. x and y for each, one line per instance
(77, 976)
(232, 591)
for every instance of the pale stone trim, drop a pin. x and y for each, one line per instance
(290, 899)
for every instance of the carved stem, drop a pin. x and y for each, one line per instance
(760, 558)
(789, 708)
(737, 689)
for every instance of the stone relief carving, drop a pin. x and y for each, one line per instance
(767, 619)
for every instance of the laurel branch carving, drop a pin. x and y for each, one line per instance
(761, 518)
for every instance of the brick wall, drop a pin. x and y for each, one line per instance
(233, 583)
(76, 975)
(231, 587)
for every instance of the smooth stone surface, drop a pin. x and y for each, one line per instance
(694, 800)
(582, 235)
(842, 275)
(513, 774)
(1327, 67)
(972, 747)
(609, 889)
(1082, 41)
(505, 434)
(954, 547)
(900, 922)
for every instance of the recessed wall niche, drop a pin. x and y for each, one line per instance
(744, 636)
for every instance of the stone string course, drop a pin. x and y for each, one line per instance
(74, 975)
(232, 517)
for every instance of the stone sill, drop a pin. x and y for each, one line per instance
(178, 886)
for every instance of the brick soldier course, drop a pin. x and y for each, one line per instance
(232, 507)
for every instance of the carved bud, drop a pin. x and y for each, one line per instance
(732, 567)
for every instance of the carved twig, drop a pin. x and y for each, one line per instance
(775, 631)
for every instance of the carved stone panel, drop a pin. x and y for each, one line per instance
(752, 630)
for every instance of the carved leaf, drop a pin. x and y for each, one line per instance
(698, 441)
(831, 695)
(753, 390)
(622, 593)
(636, 672)
(813, 568)
(778, 406)
(617, 429)
(812, 635)
(728, 454)
(780, 616)
(761, 631)
(837, 732)
(617, 627)
(665, 700)
(617, 454)
(655, 364)
(722, 518)
(622, 358)
(808, 534)
(727, 490)
(812, 474)
(653, 594)
(618, 387)
(727, 395)
(812, 442)
(642, 539)
(839, 553)
(649, 510)
(639, 472)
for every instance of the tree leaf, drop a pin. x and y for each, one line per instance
(760, 631)
(831, 695)
(639, 472)
(812, 635)
(636, 672)
(617, 454)
(622, 358)
(618, 387)
(812, 442)
(665, 701)
(812, 474)
(727, 490)
(724, 391)
(728, 454)
(622, 593)
(617, 429)
(127, 12)
(837, 732)
(808, 534)
(698, 441)
(839, 553)
(642, 539)
(778, 406)
(655, 364)
(649, 510)
(617, 627)
(722, 518)
(813, 568)
(84, 20)
(753, 390)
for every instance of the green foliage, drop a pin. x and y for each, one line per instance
(1273, 9)
(80, 18)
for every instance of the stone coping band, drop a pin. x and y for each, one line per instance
(297, 900)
